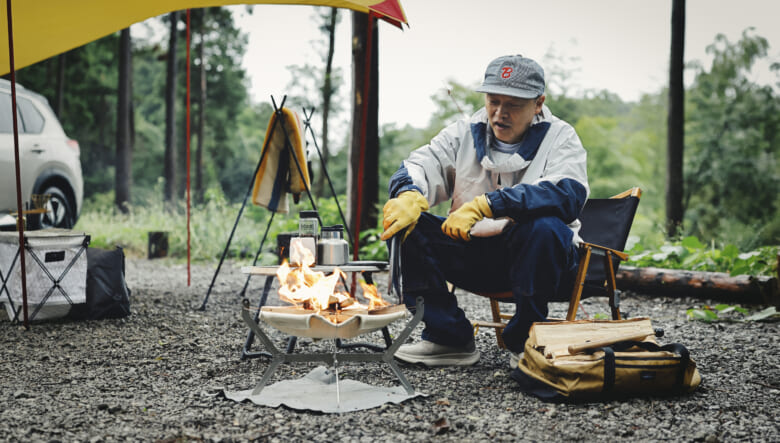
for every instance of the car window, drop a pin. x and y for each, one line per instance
(33, 120)
(6, 122)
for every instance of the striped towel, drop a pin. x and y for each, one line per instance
(278, 173)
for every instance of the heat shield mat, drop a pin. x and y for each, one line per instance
(317, 391)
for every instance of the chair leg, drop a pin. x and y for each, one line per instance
(614, 303)
(496, 311)
(582, 271)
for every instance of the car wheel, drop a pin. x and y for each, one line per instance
(59, 212)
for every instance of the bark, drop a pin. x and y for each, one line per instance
(123, 175)
(327, 94)
(713, 285)
(170, 116)
(675, 123)
(199, 191)
(60, 93)
(363, 172)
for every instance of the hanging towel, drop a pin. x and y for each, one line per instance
(279, 171)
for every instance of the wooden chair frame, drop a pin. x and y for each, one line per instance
(587, 250)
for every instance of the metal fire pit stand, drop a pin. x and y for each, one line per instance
(386, 355)
(365, 268)
(278, 357)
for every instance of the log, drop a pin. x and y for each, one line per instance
(711, 285)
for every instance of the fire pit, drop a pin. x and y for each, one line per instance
(344, 324)
(321, 309)
(278, 357)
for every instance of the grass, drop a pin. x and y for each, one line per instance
(210, 227)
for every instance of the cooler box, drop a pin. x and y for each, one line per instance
(56, 272)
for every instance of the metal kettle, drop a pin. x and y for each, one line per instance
(332, 249)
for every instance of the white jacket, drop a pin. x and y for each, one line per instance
(546, 177)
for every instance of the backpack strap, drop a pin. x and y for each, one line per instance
(609, 359)
(609, 369)
(685, 360)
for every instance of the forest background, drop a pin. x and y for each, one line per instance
(732, 139)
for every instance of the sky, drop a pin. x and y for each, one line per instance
(618, 45)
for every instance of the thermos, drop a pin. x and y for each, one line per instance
(332, 249)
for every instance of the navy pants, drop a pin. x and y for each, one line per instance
(535, 260)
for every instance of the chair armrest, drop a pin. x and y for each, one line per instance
(633, 192)
(620, 254)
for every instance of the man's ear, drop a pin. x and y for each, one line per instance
(539, 103)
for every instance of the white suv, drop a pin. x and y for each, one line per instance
(49, 160)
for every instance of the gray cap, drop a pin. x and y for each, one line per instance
(513, 75)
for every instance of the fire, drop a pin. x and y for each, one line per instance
(305, 288)
(374, 299)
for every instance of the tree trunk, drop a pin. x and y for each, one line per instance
(123, 175)
(712, 285)
(327, 93)
(363, 168)
(199, 191)
(60, 94)
(170, 117)
(675, 123)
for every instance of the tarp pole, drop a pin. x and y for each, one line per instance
(189, 235)
(19, 208)
(363, 128)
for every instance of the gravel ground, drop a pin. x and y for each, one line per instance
(154, 377)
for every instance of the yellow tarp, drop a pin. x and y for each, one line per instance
(44, 28)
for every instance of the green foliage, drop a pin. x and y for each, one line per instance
(88, 112)
(372, 248)
(725, 312)
(454, 102)
(692, 254)
(314, 87)
(330, 212)
(396, 144)
(732, 147)
(89, 109)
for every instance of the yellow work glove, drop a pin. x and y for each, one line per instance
(401, 212)
(460, 221)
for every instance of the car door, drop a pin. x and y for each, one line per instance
(32, 153)
(7, 169)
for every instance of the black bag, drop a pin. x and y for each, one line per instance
(107, 292)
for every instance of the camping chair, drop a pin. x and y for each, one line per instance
(606, 223)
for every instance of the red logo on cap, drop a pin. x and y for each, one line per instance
(506, 72)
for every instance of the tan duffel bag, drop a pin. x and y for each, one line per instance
(593, 360)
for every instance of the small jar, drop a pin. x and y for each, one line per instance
(308, 224)
(308, 227)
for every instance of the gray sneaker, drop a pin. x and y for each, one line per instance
(514, 359)
(432, 354)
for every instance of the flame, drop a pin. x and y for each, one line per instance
(305, 288)
(370, 293)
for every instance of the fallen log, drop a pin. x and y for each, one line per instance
(711, 285)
